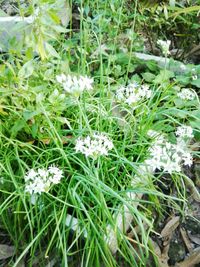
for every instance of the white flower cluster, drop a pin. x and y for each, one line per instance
(164, 46)
(186, 94)
(75, 85)
(184, 132)
(38, 181)
(169, 157)
(93, 146)
(133, 93)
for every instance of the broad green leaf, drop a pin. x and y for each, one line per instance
(148, 76)
(196, 83)
(26, 70)
(136, 78)
(151, 65)
(163, 76)
(183, 79)
(51, 51)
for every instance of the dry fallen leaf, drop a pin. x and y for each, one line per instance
(162, 259)
(186, 239)
(170, 227)
(6, 251)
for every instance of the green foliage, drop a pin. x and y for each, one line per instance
(172, 20)
(40, 123)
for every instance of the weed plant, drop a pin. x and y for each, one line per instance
(40, 124)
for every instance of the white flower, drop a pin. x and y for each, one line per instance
(38, 181)
(187, 159)
(133, 93)
(186, 94)
(167, 156)
(194, 77)
(55, 174)
(93, 146)
(164, 46)
(86, 82)
(75, 85)
(61, 78)
(184, 132)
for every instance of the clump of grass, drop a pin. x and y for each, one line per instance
(41, 122)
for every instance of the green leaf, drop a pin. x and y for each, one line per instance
(163, 76)
(183, 79)
(196, 83)
(41, 48)
(180, 103)
(151, 65)
(148, 76)
(54, 16)
(63, 120)
(26, 70)
(18, 125)
(185, 10)
(51, 51)
(122, 58)
(34, 130)
(136, 78)
(60, 29)
(30, 114)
